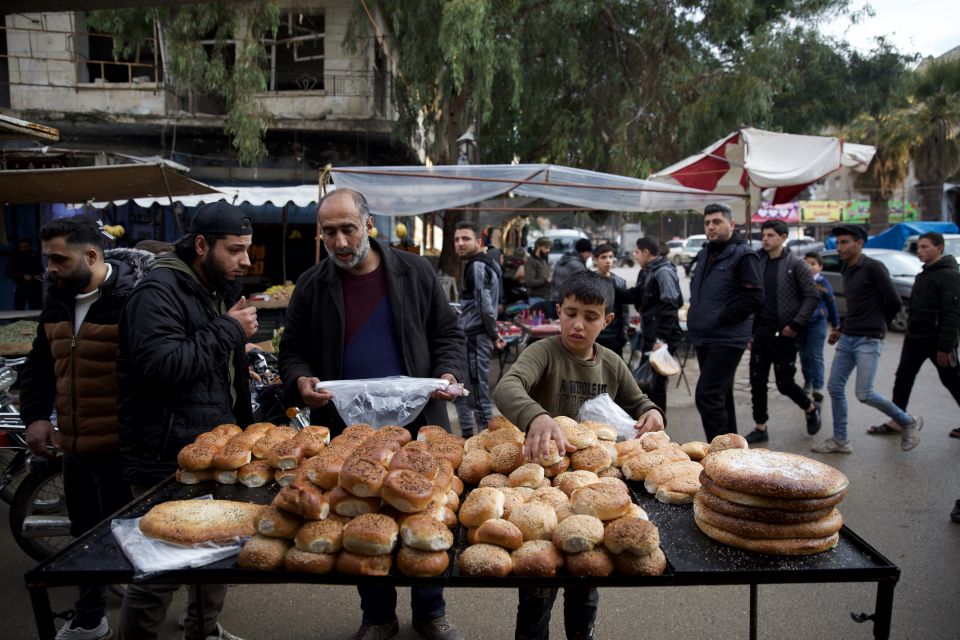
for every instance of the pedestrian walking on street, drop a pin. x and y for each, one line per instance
(789, 299)
(933, 327)
(726, 290)
(614, 335)
(182, 371)
(479, 298)
(872, 302)
(812, 337)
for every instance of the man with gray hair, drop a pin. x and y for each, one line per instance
(370, 311)
(725, 292)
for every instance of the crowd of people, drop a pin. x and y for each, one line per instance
(139, 354)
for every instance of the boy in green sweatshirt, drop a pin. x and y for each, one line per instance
(554, 377)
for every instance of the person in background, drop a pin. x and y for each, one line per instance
(370, 311)
(872, 302)
(73, 366)
(789, 298)
(657, 298)
(536, 272)
(725, 291)
(479, 298)
(25, 268)
(933, 327)
(569, 265)
(614, 335)
(812, 337)
(182, 371)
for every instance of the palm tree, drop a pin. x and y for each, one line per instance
(890, 134)
(935, 123)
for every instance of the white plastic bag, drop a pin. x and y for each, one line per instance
(604, 409)
(663, 362)
(150, 556)
(381, 401)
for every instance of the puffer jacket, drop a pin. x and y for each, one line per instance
(77, 373)
(797, 296)
(181, 370)
(565, 267)
(935, 304)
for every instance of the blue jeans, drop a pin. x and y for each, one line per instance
(810, 341)
(379, 604)
(479, 352)
(862, 354)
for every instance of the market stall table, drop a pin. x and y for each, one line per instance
(694, 559)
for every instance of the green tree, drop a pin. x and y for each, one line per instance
(935, 121)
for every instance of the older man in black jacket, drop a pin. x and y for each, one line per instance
(181, 371)
(369, 311)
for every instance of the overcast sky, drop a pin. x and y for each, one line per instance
(927, 27)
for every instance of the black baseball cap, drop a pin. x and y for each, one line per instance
(220, 218)
(855, 230)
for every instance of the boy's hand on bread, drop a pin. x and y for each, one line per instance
(541, 431)
(652, 420)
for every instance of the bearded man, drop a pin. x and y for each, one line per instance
(182, 371)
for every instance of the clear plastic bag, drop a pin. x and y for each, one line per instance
(663, 362)
(604, 409)
(381, 401)
(150, 556)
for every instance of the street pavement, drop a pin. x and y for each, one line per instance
(898, 502)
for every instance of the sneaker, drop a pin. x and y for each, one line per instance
(757, 436)
(221, 634)
(813, 420)
(910, 436)
(437, 629)
(832, 446)
(377, 631)
(100, 632)
(955, 514)
(818, 397)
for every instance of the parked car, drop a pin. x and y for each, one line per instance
(951, 244)
(903, 268)
(691, 247)
(801, 246)
(562, 242)
(675, 251)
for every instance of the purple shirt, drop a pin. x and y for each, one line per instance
(371, 349)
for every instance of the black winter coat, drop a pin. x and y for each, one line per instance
(935, 304)
(658, 298)
(427, 332)
(173, 372)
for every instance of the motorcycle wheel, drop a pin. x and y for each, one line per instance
(39, 493)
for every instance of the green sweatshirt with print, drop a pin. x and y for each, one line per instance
(546, 378)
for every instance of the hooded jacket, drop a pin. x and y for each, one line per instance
(426, 330)
(658, 298)
(480, 295)
(565, 267)
(181, 369)
(935, 304)
(77, 371)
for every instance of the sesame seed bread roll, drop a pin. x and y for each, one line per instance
(602, 429)
(637, 467)
(256, 473)
(696, 450)
(537, 558)
(611, 472)
(481, 504)
(669, 470)
(654, 440)
(527, 475)
(500, 422)
(263, 554)
(276, 523)
(505, 458)
(407, 491)
(449, 448)
(415, 459)
(320, 536)
(627, 449)
(323, 469)
(499, 532)
(456, 485)
(358, 564)
(307, 562)
(261, 449)
(371, 534)
(426, 533)
(417, 563)
(501, 436)
(362, 477)
(556, 469)
(579, 436)
(234, 455)
(485, 560)
(651, 564)
(600, 501)
(550, 496)
(196, 456)
(475, 466)
(216, 440)
(312, 440)
(225, 476)
(344, 503)
(552, 457)
(572, 480)
(631, 535)
(535, 520)
(194, 477)
(286, 454)
(393, 432)
(595, 459)
(227, 429)
(496, 480)
(430, 432)
(596, 562)
(578, 533)
(358, 431)
(727, 441)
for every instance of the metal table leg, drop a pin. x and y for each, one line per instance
(753, 612)
(884, 610)
(42, 614)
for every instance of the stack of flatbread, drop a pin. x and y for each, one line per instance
(770, 502)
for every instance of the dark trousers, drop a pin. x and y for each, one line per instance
(477, 407)
(379, 604)
(912, 357)
(714, 394)
(145, 606)
(93, 490)
(536, 603)
(614, 343)
(781, 352)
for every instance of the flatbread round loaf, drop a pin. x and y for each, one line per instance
(783, 547)
(774, 474)
(759, 514)
(753, 529)
(193, 521)
(811, 504)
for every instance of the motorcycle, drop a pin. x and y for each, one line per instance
(266, 392)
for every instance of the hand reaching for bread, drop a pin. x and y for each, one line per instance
(652, 420)
(541, 431)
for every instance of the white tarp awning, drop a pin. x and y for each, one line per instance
(301, 195)
(406, 191)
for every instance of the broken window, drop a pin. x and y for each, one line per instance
(296, 56)
(98, 63)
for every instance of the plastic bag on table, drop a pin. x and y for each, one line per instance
(604, 409)
(150, 556)
(663, 362)
(381, 401)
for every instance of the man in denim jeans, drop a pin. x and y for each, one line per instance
(872, 301)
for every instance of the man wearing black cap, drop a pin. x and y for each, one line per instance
(569, 265)
(872, 302)
(181, 371)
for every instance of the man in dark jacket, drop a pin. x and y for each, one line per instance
(658, 298)
(726, 290)
(182, 371)
(568, 265)
(26, 270)
(72, 365)
(614, 335)
(872, 302)
(479, 298)
(536, 272)
(932, 329)
(369, 311)
(789, 298)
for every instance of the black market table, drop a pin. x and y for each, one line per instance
(694, 559)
